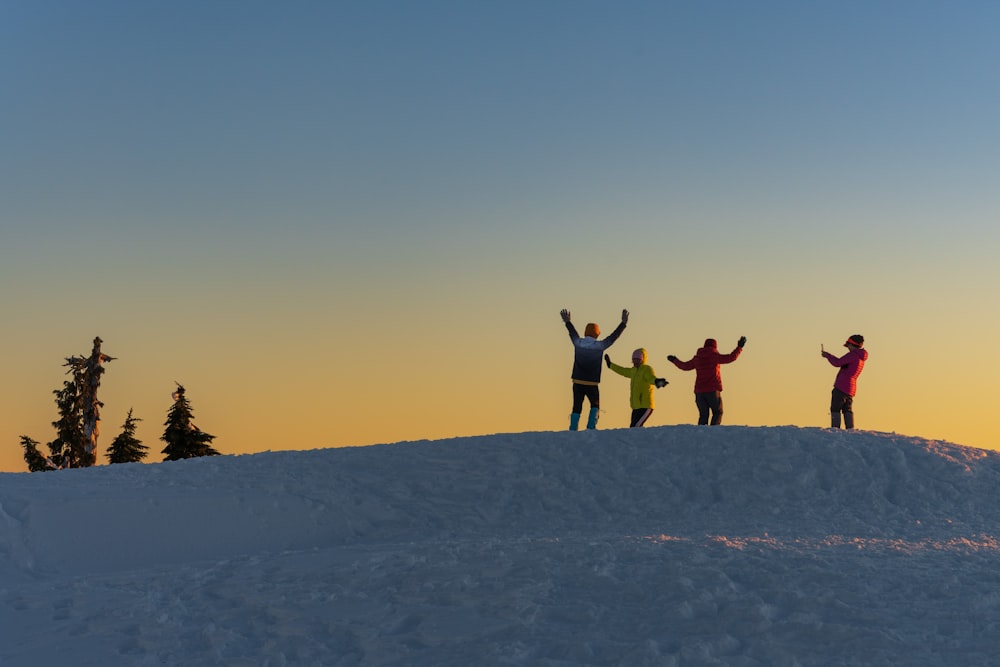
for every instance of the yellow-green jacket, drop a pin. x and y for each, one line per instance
(643, 378)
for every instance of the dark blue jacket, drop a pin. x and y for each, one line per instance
(589, 358)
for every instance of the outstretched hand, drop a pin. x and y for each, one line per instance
(564, 314)
(624, 316)
(671, 357)
(661, 383)
(607, 360)
(742, 341)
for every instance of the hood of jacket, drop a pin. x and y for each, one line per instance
(710, 347)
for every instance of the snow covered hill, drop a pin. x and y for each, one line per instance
(660, 546)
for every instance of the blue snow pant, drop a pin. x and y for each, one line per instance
(592, 393)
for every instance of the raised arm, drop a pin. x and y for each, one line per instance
(735, 354)
(573, 335)
(609, 341)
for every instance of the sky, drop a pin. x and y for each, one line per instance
(355, 223)
(669, 546)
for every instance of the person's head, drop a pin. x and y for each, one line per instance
(711, 344)
(639, 357)
(592, 330)
(855, 341)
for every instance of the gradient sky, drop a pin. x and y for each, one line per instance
(346, 223)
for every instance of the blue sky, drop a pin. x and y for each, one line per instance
(379, 189)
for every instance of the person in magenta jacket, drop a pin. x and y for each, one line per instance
(708, 377)
(845, 386)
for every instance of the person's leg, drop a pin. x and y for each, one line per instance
(848, 411)
(715, 404)
(574, 418)
(639, 417)
(836, 405)
(594, 395)
(701, 400)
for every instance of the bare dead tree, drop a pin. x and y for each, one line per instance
(89, 371)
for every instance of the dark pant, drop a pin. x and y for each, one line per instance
(589, 391)
(709, 401)
(639, 416)
(841, 402)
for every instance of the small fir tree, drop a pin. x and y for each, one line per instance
(184, 439)
(35, 459)
(68, 450)
(126, 448)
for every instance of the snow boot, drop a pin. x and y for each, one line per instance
(592, 418)
(574, 421)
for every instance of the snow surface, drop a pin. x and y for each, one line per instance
(676, 545)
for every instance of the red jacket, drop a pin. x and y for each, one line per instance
(706, 363)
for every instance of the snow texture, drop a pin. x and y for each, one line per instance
(675, 545)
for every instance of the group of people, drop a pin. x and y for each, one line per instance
(707, 362)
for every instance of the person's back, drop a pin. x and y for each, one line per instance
(588, 353)
(708, 377)
(706, 364)
(587, 356)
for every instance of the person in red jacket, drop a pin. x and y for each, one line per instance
(708, 377)
(845, 386)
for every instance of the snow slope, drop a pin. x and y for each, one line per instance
(676, 545)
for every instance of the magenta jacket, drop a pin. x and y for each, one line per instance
(850, 368)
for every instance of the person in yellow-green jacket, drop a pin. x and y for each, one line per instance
(643, 380)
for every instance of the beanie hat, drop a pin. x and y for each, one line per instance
(592, 330)
(857, 340)
(711, 344)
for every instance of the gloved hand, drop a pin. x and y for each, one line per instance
(624, 316)
(661, 383)
(607, 360)
(671, 357)
(743, 341)
(564, 314)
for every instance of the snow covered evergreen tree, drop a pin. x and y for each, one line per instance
(79, 423)
(68, 450)
(184, 439)
(126, 448)
(35, 459)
